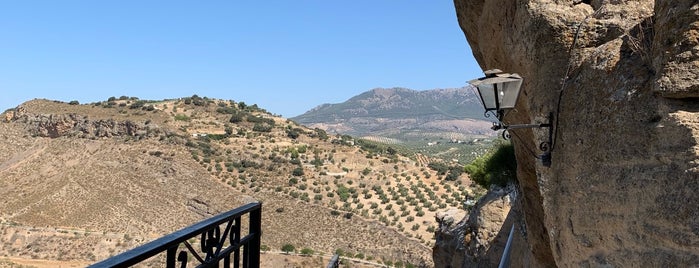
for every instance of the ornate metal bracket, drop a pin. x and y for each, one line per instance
(544, 146)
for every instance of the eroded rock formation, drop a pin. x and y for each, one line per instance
(57, 125)
(477, 240)
(621, 78)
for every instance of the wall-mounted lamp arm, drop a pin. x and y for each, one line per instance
(506, 127)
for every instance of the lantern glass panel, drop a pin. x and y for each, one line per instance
(508, 93)
(487, 94)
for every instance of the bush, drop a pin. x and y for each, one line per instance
(262, 127)
(496, 167)
(138, 104)
(298, 171)
(307, 251)
(74, 102)
(288, 248)
(181, 117)
(236, 118)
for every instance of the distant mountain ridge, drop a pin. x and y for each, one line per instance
(402, 113)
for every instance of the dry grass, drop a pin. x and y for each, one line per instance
(87, 199)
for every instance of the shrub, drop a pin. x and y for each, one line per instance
(181, 117)
(138, 104)
(307, 251)
(496, 167)
(343, 193)
(298, 171)
(236, 118)
(262, 127)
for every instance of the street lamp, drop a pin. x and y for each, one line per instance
(498, 92)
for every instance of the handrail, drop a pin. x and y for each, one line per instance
(334, 262)
(212, 242)
(505, 260)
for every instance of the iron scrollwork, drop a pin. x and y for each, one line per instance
(213, 245)
(546, 146)
(216, 247)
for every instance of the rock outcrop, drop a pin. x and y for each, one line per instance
(477, 240)
(57, 125)
(621, 80)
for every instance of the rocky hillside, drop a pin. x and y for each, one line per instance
(401, 112)
(79, 183)
(621, 80)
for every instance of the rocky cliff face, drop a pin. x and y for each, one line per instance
(479, 239)
(621, 78)
(57, 125)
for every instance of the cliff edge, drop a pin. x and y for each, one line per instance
(620, 78)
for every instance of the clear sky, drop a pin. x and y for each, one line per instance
(287, 56)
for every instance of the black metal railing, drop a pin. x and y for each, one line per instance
(215, 246)
(334, 262)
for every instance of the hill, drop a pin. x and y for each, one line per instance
(84, 182)
(415, 119)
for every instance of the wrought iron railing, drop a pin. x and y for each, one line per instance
(216, 247)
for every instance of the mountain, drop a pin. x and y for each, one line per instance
(79, 183)
(441, 123)
(401, 112)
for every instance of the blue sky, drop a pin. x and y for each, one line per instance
(286, 56)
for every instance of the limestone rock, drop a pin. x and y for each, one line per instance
(620, 78)
(480, 237)
(57, 125)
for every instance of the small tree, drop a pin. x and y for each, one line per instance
(496, 167)
(286, 248)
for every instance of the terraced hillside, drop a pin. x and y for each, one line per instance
(83, 182)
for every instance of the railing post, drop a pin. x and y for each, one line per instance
(170, 257)
(255, 243)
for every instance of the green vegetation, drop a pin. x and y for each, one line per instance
(182, 117)
(286, 248)
(307, 251)
(451, 172)
(498, 166)
(298, 171)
